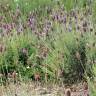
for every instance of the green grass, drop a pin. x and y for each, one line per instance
(62, 56)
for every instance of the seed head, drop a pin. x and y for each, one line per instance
(78, 55)
(67, 92)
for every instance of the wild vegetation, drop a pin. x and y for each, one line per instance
(48, 41)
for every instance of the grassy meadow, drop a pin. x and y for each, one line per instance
(47, 47)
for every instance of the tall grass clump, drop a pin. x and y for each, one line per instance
(91, 55)
(19, 49)
(68, 56)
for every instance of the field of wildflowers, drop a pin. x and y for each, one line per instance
(47, 43)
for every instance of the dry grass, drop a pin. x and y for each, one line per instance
(37, 89)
